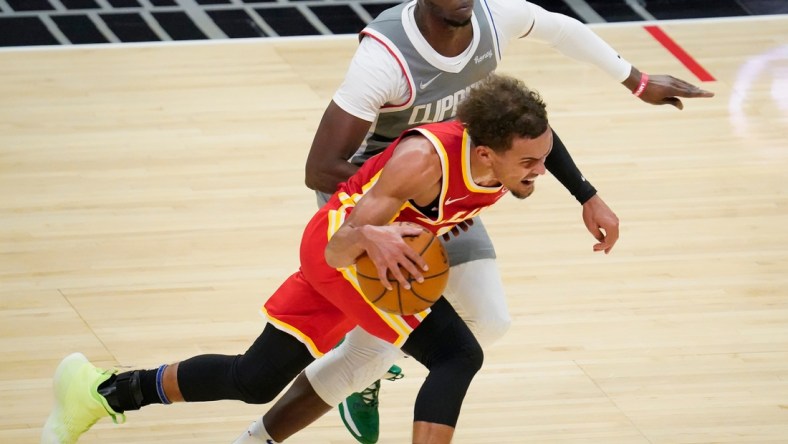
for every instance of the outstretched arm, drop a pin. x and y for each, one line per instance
(578, 41)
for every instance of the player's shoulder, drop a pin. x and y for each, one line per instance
(511, 17)
(448, 129)
(504, 6)
(416, 153)
(374, 47)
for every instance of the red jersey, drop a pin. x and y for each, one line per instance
(319, 304)
(460, 198)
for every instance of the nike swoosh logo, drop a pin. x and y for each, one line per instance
(450, 201)
(423, 85)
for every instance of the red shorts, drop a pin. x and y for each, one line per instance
(320, 304)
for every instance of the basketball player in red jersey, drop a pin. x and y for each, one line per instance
(437, 176)
(412, 66)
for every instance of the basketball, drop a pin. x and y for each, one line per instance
(421, 296)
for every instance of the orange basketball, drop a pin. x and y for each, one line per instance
(421, 296)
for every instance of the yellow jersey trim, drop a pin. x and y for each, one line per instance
(306, 340)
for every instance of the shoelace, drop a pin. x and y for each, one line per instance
(393, 377)
(370, 394)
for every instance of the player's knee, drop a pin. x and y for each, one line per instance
(258, 392)
(368, 364)
(258, 385)
(461, 364)
(476, 292)
(490, 327)
(474, 358)
(352, 366)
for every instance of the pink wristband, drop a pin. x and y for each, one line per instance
(642, 86)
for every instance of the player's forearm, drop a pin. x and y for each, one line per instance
(561, 165)
(577, 41)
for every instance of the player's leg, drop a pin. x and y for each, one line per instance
(482, 306)
(359, 407)
(475, 289)
(444, 344)
(453, 363)
(85, 394)
(476, 292)
(358, 360)
(349, 377)
(362, 358)
(296, 409)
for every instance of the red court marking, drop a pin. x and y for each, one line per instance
(679, 53)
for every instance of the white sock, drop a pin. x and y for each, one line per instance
(255, 434)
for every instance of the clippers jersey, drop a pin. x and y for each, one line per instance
(434, 93)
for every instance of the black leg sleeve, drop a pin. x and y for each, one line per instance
(255, 377)
(445, 345)
(561, 165)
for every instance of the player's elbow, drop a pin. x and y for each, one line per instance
(312, 175)
(311, 182)
(321, 176)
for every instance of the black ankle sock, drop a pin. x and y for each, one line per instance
(130, 391)
(148, 388)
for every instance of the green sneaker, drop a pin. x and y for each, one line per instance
(359, 411)
(78, 404)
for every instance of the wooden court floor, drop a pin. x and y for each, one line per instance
(152, 197)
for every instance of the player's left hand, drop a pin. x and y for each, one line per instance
(666, 90)
(601, 222)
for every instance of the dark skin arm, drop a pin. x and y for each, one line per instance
(338, 136)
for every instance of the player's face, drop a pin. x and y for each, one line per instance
(455, 13)
(518, 167)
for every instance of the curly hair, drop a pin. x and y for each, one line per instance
(499, 108)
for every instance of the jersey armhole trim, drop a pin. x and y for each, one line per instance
(400, 61)
(493, 28)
